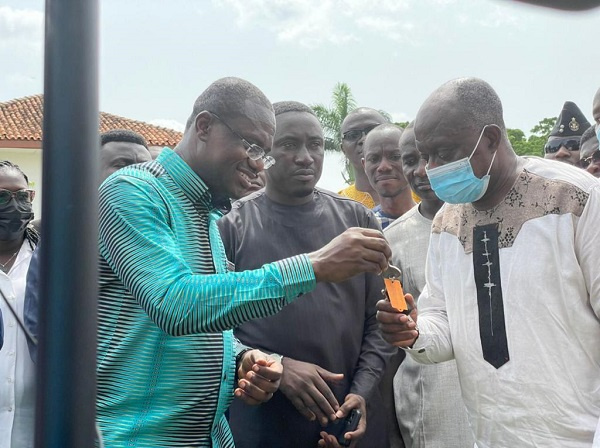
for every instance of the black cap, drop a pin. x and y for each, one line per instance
(571, 122)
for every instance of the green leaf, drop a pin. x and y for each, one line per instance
(331, 118)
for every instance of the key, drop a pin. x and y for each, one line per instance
(393, 288)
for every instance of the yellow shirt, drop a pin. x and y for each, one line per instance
(415, 197)
(359, 196)
(365, 198)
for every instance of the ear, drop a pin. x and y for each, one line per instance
(202, 124)
(494, 136)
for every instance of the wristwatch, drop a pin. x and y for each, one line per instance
(240, 356)
(277, 357)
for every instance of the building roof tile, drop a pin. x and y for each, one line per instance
(21, 119)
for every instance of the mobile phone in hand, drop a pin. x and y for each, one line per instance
(341, 426)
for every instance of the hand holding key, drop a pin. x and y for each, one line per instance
(355, 251)
(397, 314)
(392, 279)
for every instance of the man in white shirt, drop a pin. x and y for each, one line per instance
(433, 390)
(17, 371)
(383, 167)
(512, 281)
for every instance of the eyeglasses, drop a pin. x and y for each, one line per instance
(554, 144)
(356, 134)
(594, 158)
(254, 151)
(23, 196)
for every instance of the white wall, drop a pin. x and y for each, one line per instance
(30, 162)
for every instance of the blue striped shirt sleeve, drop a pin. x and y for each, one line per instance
(138, 243)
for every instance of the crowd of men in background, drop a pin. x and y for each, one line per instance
(242, 305)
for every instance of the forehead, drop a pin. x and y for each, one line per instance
(116, 149)
(254, 116)
(258, 130)
(361, 120)
(437, 117)
(258, 114)
(297, 124)
(378, 139)
(12, 179)
(441, 124)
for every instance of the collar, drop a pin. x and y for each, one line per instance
(24, 254)
(378, 211)
(189, 182)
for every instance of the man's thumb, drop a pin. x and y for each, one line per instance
(329, 376)
(412, 306)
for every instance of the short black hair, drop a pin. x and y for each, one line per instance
(122, 135)
(409, 132)
(282, 107)
(362, 110)
(475, 100)
(385, 126)
(6, 165)
(381, 128)
(229, 99)
(479, 102)
(587, 135)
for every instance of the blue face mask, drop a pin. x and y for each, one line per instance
(598, 131)
(456, 183)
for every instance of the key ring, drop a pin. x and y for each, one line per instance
(392, 272)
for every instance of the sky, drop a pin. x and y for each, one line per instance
(157, 56)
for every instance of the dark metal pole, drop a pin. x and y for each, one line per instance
(65, 414)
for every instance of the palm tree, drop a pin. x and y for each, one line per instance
(331, 119)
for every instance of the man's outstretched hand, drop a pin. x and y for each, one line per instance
(355, 251)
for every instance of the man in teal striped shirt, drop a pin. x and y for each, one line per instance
(167, 361)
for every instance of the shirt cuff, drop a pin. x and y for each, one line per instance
(298, 276)
(419, 347)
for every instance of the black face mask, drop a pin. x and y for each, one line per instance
(14, 218)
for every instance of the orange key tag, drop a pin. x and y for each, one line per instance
(395, 294)
(393, 288)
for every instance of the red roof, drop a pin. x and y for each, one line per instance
(21, 119)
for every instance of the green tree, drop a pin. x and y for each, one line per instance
(331, 118)
(534, 144)
(518, 141)
(544, 127)
(539, 136)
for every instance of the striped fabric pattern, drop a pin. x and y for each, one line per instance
(166, 358)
